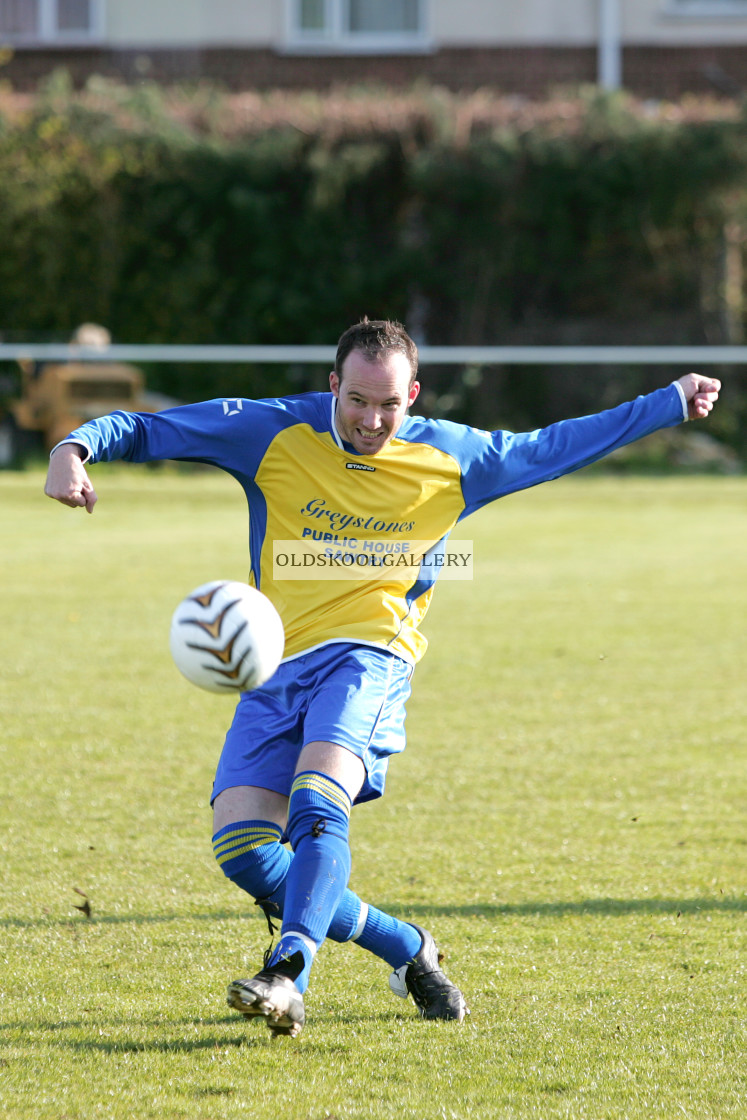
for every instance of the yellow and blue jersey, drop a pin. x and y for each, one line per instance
(303, 482)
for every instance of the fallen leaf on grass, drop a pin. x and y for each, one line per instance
(85, 908)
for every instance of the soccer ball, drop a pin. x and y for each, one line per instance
(226, 637)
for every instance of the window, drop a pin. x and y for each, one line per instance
(386, 16)
(311, 16)
(358, 25)
(73, 15)
(50, 21)
(18, 17)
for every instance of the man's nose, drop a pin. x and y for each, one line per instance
(371, 419)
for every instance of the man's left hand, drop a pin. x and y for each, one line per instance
(701, 393)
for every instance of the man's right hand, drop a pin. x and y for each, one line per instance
(67, 478)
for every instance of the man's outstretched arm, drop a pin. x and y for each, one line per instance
(503, 463)
(67, 478)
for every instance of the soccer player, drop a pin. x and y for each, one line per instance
(350, 465)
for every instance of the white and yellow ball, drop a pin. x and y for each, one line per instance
(226, 637)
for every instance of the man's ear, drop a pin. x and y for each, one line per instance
(414, 390)
(334, 383)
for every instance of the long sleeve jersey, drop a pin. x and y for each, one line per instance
(302, 482)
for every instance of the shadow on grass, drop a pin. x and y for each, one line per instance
(128, 919)
(254, 1035)
(610, 907)
(55, 1034)
(155, 1046)
(257, 1036)
(607, 907)
(160, 1045)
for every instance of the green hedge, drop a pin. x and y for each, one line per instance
(186, 216)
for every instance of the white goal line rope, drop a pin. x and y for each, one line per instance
(434, 355)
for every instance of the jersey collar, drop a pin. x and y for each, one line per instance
(333, 425)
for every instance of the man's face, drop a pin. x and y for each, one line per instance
(372, 399)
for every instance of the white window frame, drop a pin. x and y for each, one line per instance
(335, 39)
(706, 9)
(49, 35)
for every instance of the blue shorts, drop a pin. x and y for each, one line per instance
(346, 694)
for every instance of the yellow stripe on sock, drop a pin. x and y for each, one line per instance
(268, 829)
(240, 833)
(252, 841)
(317, 783)
(256, 836)
(238, 851)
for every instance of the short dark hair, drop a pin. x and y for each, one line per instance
(374, 337)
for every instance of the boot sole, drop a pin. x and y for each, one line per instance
(253, 1004)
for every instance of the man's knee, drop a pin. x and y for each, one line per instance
(239, 804)
(333, 761)
(251, 854)
(318, 805)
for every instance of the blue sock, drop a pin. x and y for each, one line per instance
(346, 918)
(394, 941)
(318, 818)
(251, 854)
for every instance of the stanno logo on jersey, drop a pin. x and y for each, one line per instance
(359, 467)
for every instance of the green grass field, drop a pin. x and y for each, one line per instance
(568, 819)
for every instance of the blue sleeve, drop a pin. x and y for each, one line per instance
(232, 434)
(501, 463)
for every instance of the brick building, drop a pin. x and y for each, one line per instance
(655, 48)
